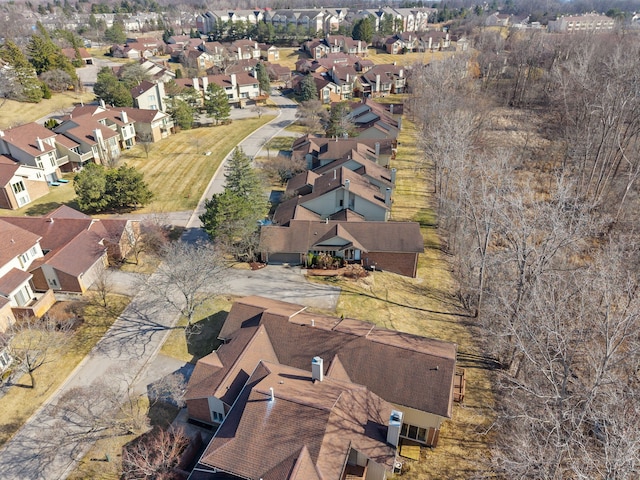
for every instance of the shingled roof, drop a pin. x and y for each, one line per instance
(404, 369)
(309, 427)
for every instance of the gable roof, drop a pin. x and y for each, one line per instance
(309, 426)
(8, 169)
(14, 241)
(24, 137)
(301, 236)
(388, 368)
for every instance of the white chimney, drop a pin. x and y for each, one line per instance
(1, 133)
(387, 197)
(393, 430)
(195, 83)
(377, 148)
(233, 79)
(391, 109)
(205, 83)
(124, 117)
(377, 83)
(102, 104)
(393, 175)
(272, 395)
(401, 73)
(345, 201)
(317, 369)
(347, 183)
(40, 144)
(97, 135)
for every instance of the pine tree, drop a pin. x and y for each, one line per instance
(231, 217)
(263, 78)
(216, 103)
(308, 89)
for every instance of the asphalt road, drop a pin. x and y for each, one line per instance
(40, 450)
(252, 145)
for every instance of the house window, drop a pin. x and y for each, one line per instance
(18, 187)
(217, 417)
(33, 251)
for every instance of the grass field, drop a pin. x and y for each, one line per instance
(178, 171)
(427, 306)
(17, 113)
(19, 403)
(190, 348)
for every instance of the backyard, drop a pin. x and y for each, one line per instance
(427, 306)
(14, 113)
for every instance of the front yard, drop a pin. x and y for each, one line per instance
(19, 401)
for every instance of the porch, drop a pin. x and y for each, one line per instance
(39, 304)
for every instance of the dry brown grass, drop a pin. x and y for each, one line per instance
(17, 113)
(19, 403)
(381, 57)
(428, 306)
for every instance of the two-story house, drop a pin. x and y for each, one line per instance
(33, 145)
(20, 184)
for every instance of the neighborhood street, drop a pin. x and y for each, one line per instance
(39, 451)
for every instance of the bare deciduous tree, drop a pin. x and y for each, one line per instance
(187, 277)
(154, 455)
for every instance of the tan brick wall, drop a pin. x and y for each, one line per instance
(401, 263)
(198, 409)
(36, 189)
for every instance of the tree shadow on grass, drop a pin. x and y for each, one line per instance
(44, 208)
(206, 341)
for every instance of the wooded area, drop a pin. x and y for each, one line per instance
(533, 146)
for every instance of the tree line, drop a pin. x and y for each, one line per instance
(533, 150)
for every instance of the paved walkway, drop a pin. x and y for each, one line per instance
(38, 451)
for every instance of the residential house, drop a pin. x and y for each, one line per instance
(126, 51)
(149, 96)
(156, 71)
(151, 125)
(218, 52)
(344, 78)
(240, 87)
(582, 23)
(320, 151)
(332, 194)
(433, 41)
(372, 120)
(74, 248)
(414, 375)
(19, 249)
(84, 56)
(497, 19)
(416, 19)
(382, 80)
(278, 73)
(324, 428)
(33, 145)
(20, 184)
(244, 50)
(269, 53)
(151, 46)
(318, 48)
(388, 246)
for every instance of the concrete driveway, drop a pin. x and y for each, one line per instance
(282, 283)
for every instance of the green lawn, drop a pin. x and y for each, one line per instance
(19, 403)
(17, 113)
(178, 171)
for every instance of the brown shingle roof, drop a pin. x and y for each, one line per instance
(405, 369)
(326, 418)
(302, 236)
(8, 169)
(14, 241)
(12, 280)
(25, 138)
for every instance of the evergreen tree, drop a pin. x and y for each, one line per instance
(339, 124)
(182, 113)
(111, 90)
(308, 89)
(216, 103)
(90, 185)
(363, 30)
(20, 82)
(116, 33)
(231, 217)
(263, 78)
(126, 188)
